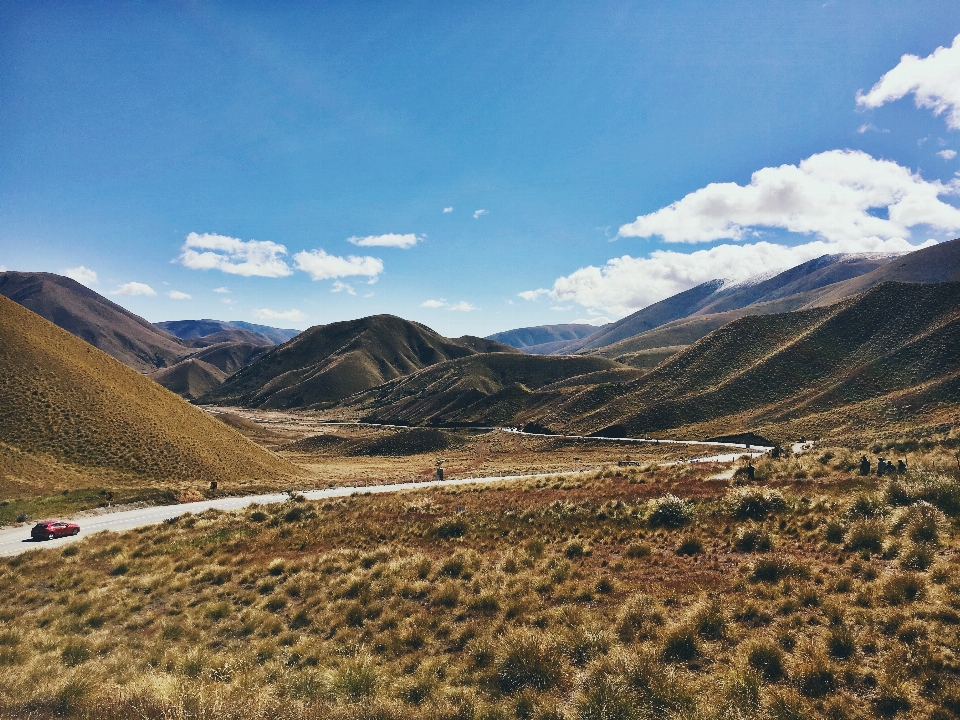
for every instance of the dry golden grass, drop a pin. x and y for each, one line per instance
(70, 411)
(626, 593)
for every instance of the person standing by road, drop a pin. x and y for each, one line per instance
(864, 465)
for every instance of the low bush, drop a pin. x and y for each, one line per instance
(681, 643)
(752, 539)
(918, 556)
(767, 659)
(527, 658)
(867, 535)
(690, 545)
(903, 588)
(753, 502)
(638, 618)
(670, 511)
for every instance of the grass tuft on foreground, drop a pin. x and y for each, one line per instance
(652, 593)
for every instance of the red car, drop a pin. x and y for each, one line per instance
(50, 529)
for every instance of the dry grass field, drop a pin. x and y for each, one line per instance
(620, 593)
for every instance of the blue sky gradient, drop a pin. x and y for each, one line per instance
(124, 127)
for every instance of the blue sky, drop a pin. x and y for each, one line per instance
(150, 143)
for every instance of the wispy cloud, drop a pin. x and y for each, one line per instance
(339, 286)
(448, 209)
(293, 315)
(462, 306)
(221, 290)
(947, 154)
(830, 195)
(177, 295)
(134, 288)
(533, 294)
(83, 275)
(934, 81)
(320, 265)
(478, 213)
(389, 240)
(259, 258)
(870, 127)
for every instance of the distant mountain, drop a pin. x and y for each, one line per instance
(91, 317)
(543, 339)
(939, 263)
(222, 330)
(330, 362)
(889, 353)
(485, 389)
(69, 413)
(190, 379)
(717, 296)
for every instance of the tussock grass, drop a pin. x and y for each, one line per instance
(567, 604)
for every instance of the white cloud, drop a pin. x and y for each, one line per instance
(533, 294)
(448, 209)
(598, 320)
(229, 301)
(291, 315)
(829, 195)
(134, 288)
(389, 240)
(339, 286)
(627, 284)
(3, 268)
(321, 266)
(221, 290)
(83, 275)
(947, 154)
(478, 213)
(237, 257)
(177, 295)
(462, 306)
(934, 82)
(560, 308)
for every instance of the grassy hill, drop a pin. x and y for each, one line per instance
(65, 404)
(190, 378)
(330, 362)
(91, 317)
(766, 371)
(491, 388)
(233, 330)
(543, 339)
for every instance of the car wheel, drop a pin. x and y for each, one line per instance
(76, 532)
(51, 536)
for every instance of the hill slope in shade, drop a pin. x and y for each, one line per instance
(63, 402)
(486, 389)
(330, 362)
(190, 379)
(529, 339)
(716, 297)
(197, 329)
(91, 317)
(894, 342)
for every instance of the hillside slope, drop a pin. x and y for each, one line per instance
(91, 317)
(65, 403)
(535, 339)
(190, 379)
(896, 341)
(329, 362)
(485, 389)
(203, 329)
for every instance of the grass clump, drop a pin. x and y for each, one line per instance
(670, 511)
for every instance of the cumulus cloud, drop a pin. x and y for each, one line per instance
(321, 266)
(533, 294)
(448, 209)
(177, 295)
(947, 154)
(221, 290)
(134, 288)
(231, 255)
(293, 315)
(627, 284)
(339, 286)
(462, 306)
(83, 275)
(934, 82)
(478, 213)
(834, 195)
(389, 240)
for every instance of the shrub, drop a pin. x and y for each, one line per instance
(774, 569)
(356, 679)
(753, 502)
(681, 643)
(919, 556)
(710, 620)
(841, 643)
(904, 587)
(527, 658)
(690, 545)
(867, 535)
(670, 511)
(573, 550)
(815, 678)
(637, 550)
(921, 522)
(630, 687)
(833, 532)
(752, 538)
(767, 659)
(637, 618)
(866, 506)
(75, 653)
